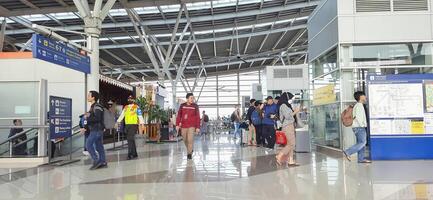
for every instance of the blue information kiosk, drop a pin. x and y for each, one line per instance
(401, 116)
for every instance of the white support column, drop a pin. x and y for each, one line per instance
(93, 77)
(93, 24)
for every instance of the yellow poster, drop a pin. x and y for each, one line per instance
(417, 127)
(324, 95)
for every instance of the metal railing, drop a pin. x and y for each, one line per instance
(29, 132)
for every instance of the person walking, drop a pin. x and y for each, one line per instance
(95, 123)
(133, 117)
(251, 130)
(288, 120)
(359, 127)
(188, 122)
(270, 112)
(204, 121)
(257, 121)
(21, 149)
(236, 116)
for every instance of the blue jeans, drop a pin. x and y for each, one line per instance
(361, 141)
(85, 141)
(93, 145)
(237, 129)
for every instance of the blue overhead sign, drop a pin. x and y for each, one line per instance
(57, 52)
(60, 117)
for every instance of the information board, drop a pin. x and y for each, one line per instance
(60, 117)
(56, 52)
(401, 116)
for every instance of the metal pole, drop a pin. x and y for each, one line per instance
(218, 101)
(114, 138)
(10, 148)
(70, 145)
(239, 91)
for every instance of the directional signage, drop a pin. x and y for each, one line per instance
(60, 117)
(56, 52)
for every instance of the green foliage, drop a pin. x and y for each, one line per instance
(143, 103)
(154, 112)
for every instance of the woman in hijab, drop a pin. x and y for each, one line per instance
(288, 120)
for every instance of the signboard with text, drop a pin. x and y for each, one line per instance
(57, 52)
(60, 117)
(401, 117)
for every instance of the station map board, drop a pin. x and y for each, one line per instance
(401, 111)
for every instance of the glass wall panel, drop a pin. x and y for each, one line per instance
(325, 63)
(391, 54)
(20, 100)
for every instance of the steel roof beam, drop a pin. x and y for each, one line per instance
(194, 19)
(207, 65)
(297, 27)
(29, 4)
(61, 2)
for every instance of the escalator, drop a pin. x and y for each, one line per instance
(30, 143)
(63, 146)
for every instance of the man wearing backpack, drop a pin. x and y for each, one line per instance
(359, 126)
(252, 131)
(270, 111)
(257, 121)
(204, 121)
(95, 124)
(133, 118)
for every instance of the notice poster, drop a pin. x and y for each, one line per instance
(324, 95)
(380, 127)
(396, 100)
(417, 127)
(428, 90)
(428, 123)
(388, 126)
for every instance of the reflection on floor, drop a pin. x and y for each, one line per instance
(220, 169)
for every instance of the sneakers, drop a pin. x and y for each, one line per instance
(132, 157)
(189, 157)
(86, 153)
(98, 166)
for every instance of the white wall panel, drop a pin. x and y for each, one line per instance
(62, 81)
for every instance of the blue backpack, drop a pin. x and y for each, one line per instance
(255, 118)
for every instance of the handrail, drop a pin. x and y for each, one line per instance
(26, 131)
(32, 138)
(17, 135)
(25, 141)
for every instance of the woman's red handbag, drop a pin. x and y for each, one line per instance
(280, 138)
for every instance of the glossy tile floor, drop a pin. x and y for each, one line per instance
(220, 169)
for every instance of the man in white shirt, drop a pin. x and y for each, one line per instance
(359, 127)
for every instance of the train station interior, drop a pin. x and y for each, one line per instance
(216, 99)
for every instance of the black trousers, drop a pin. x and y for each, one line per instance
(259, 134)
(269, 135)
(131, 130)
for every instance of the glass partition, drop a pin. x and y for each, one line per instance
(325, 111)
(20, 100)
(24, 101)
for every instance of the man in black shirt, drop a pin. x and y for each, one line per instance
(22, 148)
(252, 131)
(95, 124)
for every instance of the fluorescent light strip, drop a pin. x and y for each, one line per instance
(144, 10)
(202, 32)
